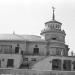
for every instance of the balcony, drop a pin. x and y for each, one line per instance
(53, 30)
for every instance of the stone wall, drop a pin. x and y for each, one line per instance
(33, 72)
(16, 57)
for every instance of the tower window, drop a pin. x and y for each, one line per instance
(58, 51)
(53, 38)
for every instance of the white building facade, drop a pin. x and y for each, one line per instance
(33, 52)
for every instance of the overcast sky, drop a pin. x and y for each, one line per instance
(29, 16)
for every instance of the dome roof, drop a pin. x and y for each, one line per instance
(53, 21)
(53, 18)
(15, 37)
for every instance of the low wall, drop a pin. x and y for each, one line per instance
(33, 72)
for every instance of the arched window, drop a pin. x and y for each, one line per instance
(36, 50)
(67, 65)
(58, 51)
(17, 49)
(56, 64)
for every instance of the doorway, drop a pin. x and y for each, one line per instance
(10, 63)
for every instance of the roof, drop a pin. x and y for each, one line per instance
(20, 37)
(53, 21)
(32, 37)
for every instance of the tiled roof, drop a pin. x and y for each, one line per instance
(20, 37)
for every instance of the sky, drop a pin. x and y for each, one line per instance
(29, 16)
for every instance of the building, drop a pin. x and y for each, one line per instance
(33, 52)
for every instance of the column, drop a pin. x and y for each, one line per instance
(61, 64)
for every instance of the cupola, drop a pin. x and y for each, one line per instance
(53, 29)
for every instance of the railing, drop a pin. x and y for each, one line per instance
(58, 30)
(71, 54)
(33, 72)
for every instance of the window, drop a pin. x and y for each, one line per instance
(57, 26)
(22, 52)
(36, 50)
(67, 65)
(53, 38)
(23, 66)
(26, 65)
(25, 59)
(33, 59)
(56, 64)
(2, 59)
(73, 65)
(17, 49)
(5, 49)
(0, 63)
(58, 51)
(10, 63)
(36, 45)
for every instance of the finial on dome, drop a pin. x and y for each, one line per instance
(53, 13)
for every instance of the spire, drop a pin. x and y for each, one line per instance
(53, 13)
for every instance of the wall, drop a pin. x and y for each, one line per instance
(41, 46)
(46, 64)
(27, 47)
(14, 44)
(33, 72)
(4, 58)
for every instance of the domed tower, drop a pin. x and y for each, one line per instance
(55, 37)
